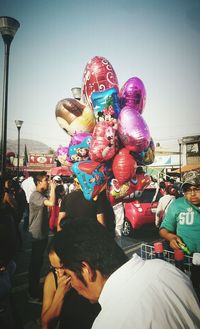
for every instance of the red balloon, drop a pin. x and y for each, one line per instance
(98, 75)
(124, 166)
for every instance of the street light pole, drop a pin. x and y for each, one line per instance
(18, 125)
(8, 28)
(76, 92)
(180, 153)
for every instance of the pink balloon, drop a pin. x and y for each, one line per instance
(133, 130)
(104, 141)
(133, 94)
(98, 75)
(78, 138)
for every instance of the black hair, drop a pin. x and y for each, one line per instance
(87, 240)
(38, 178)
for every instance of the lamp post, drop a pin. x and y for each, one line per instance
(18, 125)
(8, 28)
(180, 153)
(76, 92)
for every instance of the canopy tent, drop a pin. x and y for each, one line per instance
(164, 151)
(187, 168)
(61, 171)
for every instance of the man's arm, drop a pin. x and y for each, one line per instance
(52, 197)
(61, 216)
(171, 237)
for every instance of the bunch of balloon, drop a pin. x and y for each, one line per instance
(109, 138)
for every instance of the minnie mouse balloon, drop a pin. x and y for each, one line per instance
(98, 76)
(74, 117)
(106, 106)
(124, 166)
(104, 142)
(133, 94)
(133, 130)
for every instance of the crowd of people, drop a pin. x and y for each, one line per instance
(91, 282)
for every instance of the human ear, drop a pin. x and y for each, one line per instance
(88, 273)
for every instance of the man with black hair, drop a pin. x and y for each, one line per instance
(39, 230)
(181, 225)
(132, 294)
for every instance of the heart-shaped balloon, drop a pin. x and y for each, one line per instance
(133, 94)
(92, 177)
(98, 76)
(133, 130)
(74, 116)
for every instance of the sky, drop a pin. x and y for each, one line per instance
(157, 41)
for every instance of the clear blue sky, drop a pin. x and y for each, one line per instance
(155, 40)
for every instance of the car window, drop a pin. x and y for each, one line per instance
(148, 196)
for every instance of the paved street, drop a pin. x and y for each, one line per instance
(29, 314)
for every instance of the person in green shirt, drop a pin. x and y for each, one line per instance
(181, 225)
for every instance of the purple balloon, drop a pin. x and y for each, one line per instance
(133, 94)
(133, 130)
(78, 138)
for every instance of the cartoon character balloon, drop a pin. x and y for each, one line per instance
(92, 177)
(73, 116)
(106, 106)
(147, 156)
(98, 76)
(133, 94)
(104, 142)
(79, 151)
(62, 155)
(133, 130)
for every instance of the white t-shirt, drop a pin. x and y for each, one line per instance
(163, 205)
(29, 187)
(148, 294)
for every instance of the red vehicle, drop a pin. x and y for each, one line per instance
(141, 211)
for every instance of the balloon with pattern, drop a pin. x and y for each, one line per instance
(92, 177)
(104, 142)
(98, 76)
(106, 106)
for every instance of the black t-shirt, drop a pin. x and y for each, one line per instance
(75, 205)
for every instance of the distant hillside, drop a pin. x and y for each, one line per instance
(32, 146)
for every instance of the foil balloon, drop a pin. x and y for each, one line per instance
(117, 193)
(74, 117)
(62, 155)
(133, 130)
(80, 151)
(92, 177)
(104, 142)
(123, 166)
(146, 157)
(128, 191)
(98, 76)
(106, 106)
(133, 94)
